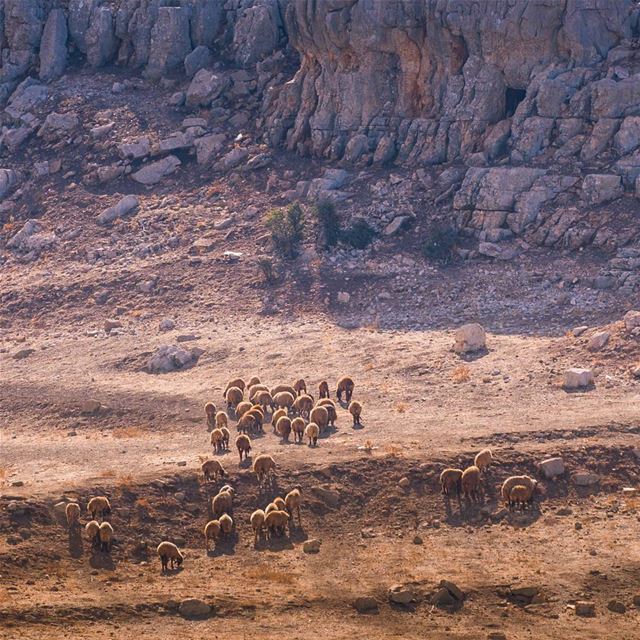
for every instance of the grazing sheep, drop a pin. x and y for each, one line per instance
(300, 386)
(257, 416)
(284, 387)
(451, 479)
(264, 466)
(105, 533)
(292, 502)
(270, 507)
(312, 431)
(222, 420)
(345, 385)
(297, 426)
(247, 424)
(320, 416)
(253, 381)
(332, 415)
(258, 411)
(222, 503)
(212, 469)
(242, 408)
(99, 507)
(276, 416)
(210, 413)
(229, 489)
(483, 459)
(216, 440)
(238, 383)
(512, 481)
(323, 390)
(211, 532)
(284, 400)
(168, 552)
(471, 482)
(226, 525)
(226, 436)
(303, 405)
(521, 496)
(279, 503)
(276, 522)
(91, 531)
(243, 444)
(355, 409)
(326, 402)
(255, 390)
(234, 397)
(264, 399)
(257, 522)
(283, 428)
(72, 511)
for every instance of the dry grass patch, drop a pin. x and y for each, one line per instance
(461, 374)
(268, 574)
(128, 432)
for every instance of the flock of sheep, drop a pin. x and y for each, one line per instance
(516, 491)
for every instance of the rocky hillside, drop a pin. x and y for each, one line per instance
(518, 122)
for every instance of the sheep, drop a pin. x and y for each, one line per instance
(264, 399)
(483, 460)
(292, 502)
(72, 512)
(257, 416)
(451, 479)
(211, 532)
(212, 469)
(284, 400)
(238, 383)
(234, 397)
(297, 426)
(320, 416)
(243, 444)
(105, 533)
(471, 482)
(242, 408)
(279, 503)
(210, 413)
(258, 411)
(168, 552)
(222, 420)
(276, 416)
(325, 402)
(284, 387)
(521, 496)
(91, 531)
(332, 415)
(253, 381)
(300, 386)
(248, 423)
(303, 405)
(99, 506)
(323, 389)
(270, 507)
(256, 389)
(276, 522)
(229, 489)
(264, 466)
(312, 431)
(257, 522)
(509, 483)
(226, 436)
(345, 385)
(355, 409)
(222, 503)
(216, 440)
(283, 428)
(226, 525)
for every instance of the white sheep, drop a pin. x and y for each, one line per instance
(312, 431)
(72, 512)
(264, 466)
(257, 522)
(226, 525)
(99, 506)
(168, 552)
(292, 502)
(483, 459)
(105, 533)
(211, 532)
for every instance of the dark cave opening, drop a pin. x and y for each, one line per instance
(513, 97)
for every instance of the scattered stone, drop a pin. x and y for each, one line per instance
(90, 407)
(172, 358)
(205, 87)
(8, 179)
(585, 608)
(401, 594)
(117, 87)
(397, 224)
(453, 589)
(636, 600)
(23, 353)
(601, 188)
(578, 379)
(192, 608)
(233, 159)
(417, 540)
(109, 325)
(578, 331)
(177, 99)
(187, 337)
(585, 478)
(57, 123)
(208, 147)
(496, 635)
(198, 59)
(598, 340)
(311, 546)
(343, 297)
(631, 320)
(125, 206)
(135, 150)
(154, 172)
(331, 497)
(404, 483)
(616, 606)
(552, 467)
(365, 604)
(442, 598)
(629, 492)
(469, 338)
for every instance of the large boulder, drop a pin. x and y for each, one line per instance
(194, 609)
(172, 358)
(601, 188)
(469, 338)
(53, 46)
(552, 468)
(205, 87)
(152, 173)
(170, 40)
(208, 147)
(257, 31)
(124, 206)
(100, 39)
(577, 378)
(198, 59)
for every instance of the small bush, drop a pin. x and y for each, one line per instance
(287, 229)
(359, 235)
(439, 242)
(267, 269)
(461, 374)
(328, 222)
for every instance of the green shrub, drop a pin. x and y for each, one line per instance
(287, 229)
(267, 269)
(328, 222)
(359, 235)
(439, 242)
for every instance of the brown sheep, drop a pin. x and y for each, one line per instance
(345, 385)
(211, 532)
(264, 466)
(284, 400)
(226, 525)
(323, 390)
(248, 423)
(451, 479)
(222, 420)
(216, 440)
(72, 512)
(226, 436)
(92, 529)
(253, 381)
(521, 496)
(222, 503)
(292, 502)
(264, 399)
(297, 426)
(168, 552)
(258, 418)
(238, 383)
(303, 405)
(276, 416)
(234, 397)
(483, 460)
(212, 469)
(279, 503)
(105, 533)
(256, 389)
(276, 523)
(332, 415)
(243, 444)
(325, 402)
(257, 523)
(300, 386)
(242, 408)
(210, 413)
(509, 483)
(284, 387)
(320, 416)
(355, 409)
(312, 432)
(283, 428)
(471, 483)
(99, 507)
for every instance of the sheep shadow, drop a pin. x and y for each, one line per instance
(472, 356)
(357, 426)
(246, 463)
(521, 519)
(99, 560)
(277, 544)
(225, 546)
(270, 485)
(171, 573)
(448, 508)
(75, 543)
(297, 534)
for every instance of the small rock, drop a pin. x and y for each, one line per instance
(552, 467)
(311, 546)
(401, 594)
(17, 483)
(167, 324)
(442, 598)
(417, 540)
(23, 353)
(90, 407)
(496, 635)
(404, 483)
(469, 338)
(578, 379)
(154, 172)
(172, 358)
(578, 526)
(109, 325)
(181, 463)
(187, 337)
(629, 492)
(365, 604)
(343, 297)
(331, 497)
(578, 331)
(616, 606)
(598, 340)
(636, 600)
(125, 206)
(585, 478)
(585, 608)
(631, 320)
(397, 224)
(192, 608)
(117, 87)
